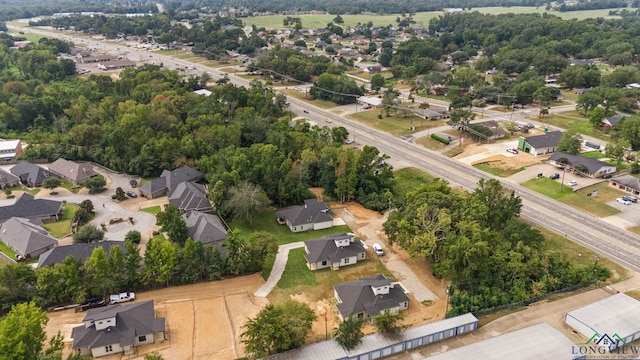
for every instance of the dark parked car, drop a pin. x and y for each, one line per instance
(606, 176)
(91, 304)
(133, 183)
(630, 198)
(554, 176)
(131, 194)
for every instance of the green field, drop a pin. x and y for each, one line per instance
(395, 125)
(578, 199)
(409, 179)
(153, 210)
(62, 227)
(267, 222)
(573, 120)
(315, 285)
(497, 168)
(421, 18)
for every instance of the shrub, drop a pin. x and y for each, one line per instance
(441, 139)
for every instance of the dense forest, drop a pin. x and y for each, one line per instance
(15, 9)
(478, 241)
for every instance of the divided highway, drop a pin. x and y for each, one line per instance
(600, 236)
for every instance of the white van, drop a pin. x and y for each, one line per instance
(378, 249)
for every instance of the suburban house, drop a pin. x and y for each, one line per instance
(370, 296)
(591, 167)
(80, 252)
(168, 181)
(540, 144)
(28, 239)
(627, 183)
(313, 215)
(190, 196)
(30, 174)
(10, 149)
(26, 206)
(118, 329)
(8, 179)
(611, 121)
(75, 172)
(497, 132)
(333, 251)
(205, 227)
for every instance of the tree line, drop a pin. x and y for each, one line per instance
(477, 240)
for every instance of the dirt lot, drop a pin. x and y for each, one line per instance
(203, 320)
(479, 153)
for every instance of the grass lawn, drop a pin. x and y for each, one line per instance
(594, 154)
(315, 285)
(69, 186)
(267, 222)
(33, 191)
(7, 251)
(153, 210)
(577, 199)
(408, 179)
(395, 125)
(62, 227)
(497, 168)
(634, 294)
(635, 229)
(579, 254)
(429, 143)
(324, 104)
(186, 56)
(573, 120)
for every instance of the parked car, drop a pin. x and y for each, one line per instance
(530, 125)
(573, 183)
(554, 176)
(349, 141)
(623, 201)
(378, 249)
(606, 176)
(512, 150)
(366, 107)
(122, 297)
(133, 182)
(131, 194)
(305, 111)
(630, 198)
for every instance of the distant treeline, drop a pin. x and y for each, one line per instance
(17, 9)
(348, 7)
(596, 4)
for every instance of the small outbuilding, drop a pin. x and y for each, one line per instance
(617, 317)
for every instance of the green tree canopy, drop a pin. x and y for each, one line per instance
(570, 143)
(22, 332)
(88, 234)
(349, 333)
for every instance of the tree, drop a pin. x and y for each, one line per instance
(153, 356)
(570, 142)
(247, 201)
(22, 332)
(17, 284)
(377, 82)
(277, 328)
(120, 195)
(349, 332)
(171, 222)
(51, 183)
(133, 236)
(617, 149)
(95, 184)
(87, 205)
(88, 234)
(596, 116)
(160, 262)
(82, 217)
(388, 321)
(98, 269)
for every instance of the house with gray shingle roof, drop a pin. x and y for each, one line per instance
(313, 215)
(205, 227)
(26, 206)
(582, 165)
(628, 183)
(370, 296)
(30, 174)
(190, 196)
(611, 121)
(75, 172)
(333, 251)
(28, 239)
(168, 181)
(8, 180)
(118, 329)
(80, 252)
(540, 144)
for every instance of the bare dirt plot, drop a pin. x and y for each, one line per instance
(203, 320)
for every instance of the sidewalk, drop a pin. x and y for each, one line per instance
(278, 268)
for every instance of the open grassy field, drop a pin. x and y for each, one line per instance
(153, 210)
(267, 222)
(315, 285)
(62, 227)
(578, 199)
(496, 168)
(408, 179)
(395, 125)
(421, 18)
(573, 120)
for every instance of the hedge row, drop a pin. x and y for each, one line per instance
(441, 139)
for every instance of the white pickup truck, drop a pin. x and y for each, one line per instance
(122, 297)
